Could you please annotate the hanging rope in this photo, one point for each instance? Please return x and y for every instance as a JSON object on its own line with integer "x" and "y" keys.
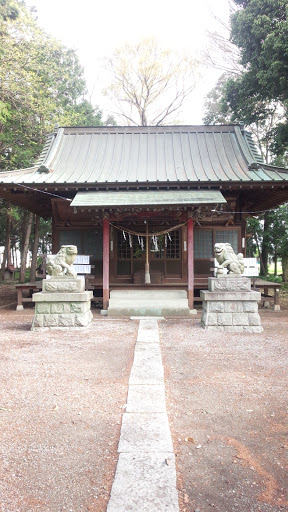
{"x": 141, "y": 233}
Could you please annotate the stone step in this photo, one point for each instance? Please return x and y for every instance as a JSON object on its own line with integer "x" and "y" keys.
{"x": 148, "y": 302}
{"x": 148, "y": 311}
{"x": 161, "y": 294}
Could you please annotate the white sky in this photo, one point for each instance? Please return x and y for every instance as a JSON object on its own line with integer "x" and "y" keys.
{"x": 94, "y": 28}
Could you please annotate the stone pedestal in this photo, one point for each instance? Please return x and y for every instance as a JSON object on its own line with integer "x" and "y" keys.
{"x": 63, "y": 303}
{"x": 230, "y": 305}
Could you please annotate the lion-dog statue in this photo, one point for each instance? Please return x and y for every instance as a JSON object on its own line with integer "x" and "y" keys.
{"x": 61, "y": 263}
{"x": 227, "y": 258}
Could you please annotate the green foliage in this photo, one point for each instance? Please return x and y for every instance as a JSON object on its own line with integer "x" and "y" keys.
{"x": 260, "y": 31}
{"x": 254, "y": 239}
{"x": 45, "y": 238}
{"x": 8, "y": 10}
{"x": 41, "y": 84}
{"x": 268, "y": 235}
{"x": 258, "y": 95}
{"x": 215, "y": 109}
{"x": 259, "y": 117}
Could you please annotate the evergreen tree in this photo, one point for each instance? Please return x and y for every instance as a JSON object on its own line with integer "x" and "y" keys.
{"x": 41, "y": 85}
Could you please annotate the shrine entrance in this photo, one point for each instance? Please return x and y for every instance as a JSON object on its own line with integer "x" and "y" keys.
{"x": 163, "y": 254}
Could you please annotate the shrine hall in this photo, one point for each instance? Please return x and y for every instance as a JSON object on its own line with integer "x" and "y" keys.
{"x": 148, "y": 203}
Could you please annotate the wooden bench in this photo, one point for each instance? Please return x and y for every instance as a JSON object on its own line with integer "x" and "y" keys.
{"x": 266, "y": 298}
{"x": 32, "y": 287}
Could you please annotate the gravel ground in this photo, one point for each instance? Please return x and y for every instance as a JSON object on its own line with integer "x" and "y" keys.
{"x": 61, "y": 402}
{"x": 227, "y": 399}
{"x": 63, "y": 394}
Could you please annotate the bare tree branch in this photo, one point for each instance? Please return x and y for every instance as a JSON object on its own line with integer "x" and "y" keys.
{"x": 149, "y": 84}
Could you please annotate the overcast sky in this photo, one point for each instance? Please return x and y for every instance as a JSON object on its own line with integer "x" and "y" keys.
{"x": 94, "y": 28}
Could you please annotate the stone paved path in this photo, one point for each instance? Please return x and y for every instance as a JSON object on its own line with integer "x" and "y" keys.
{"x": 146, "y": 476}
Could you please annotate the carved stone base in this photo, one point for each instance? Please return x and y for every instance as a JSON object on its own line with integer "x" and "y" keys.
{"x": 63, "y": 303}
{"x": 230, "y": 305}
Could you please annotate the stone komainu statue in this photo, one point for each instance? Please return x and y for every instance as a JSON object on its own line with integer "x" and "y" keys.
{"x": 227, "y": 258}
{"x": 61, "y": 263}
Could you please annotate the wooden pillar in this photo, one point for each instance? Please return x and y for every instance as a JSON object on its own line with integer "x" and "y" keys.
{"x": 105, "y": 263}
{"x": 147, "y": 271}
{"x": 277, "y": 299}
{"x": 190, "y": 261}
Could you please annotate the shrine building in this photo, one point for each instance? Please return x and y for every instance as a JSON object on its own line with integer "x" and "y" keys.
{"x": 147, "y": 204}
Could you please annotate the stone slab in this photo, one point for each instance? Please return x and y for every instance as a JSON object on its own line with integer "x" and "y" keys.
{"x": 144, "y": 483}
{"x": 158, "y": 294}
{"x": 147, "y": 318}
{"x": 229, "y": 283}
{"x": 64, "y": 284}
{"x": 232, "y": 296}
{"x": 146, "y": 398}
{"x": 151, "y": 373}
{"x": 147, "y": 367}
{"x": 147, "y": 303}
{"x": 216, "y": 328}
{"x": 147, "y": 350}
{"x": 148, "y": 337}
{"x": 145, "y": 432}
{"x": 148, "y": 331}
{"x": 240, "y": 319}
{"x": 59, "y": 321}
{"x": 253, "y": 328}
{"x": 172, "y": 311}
{"x": 62, "y": 296}
{"x": 233, "y": 328}
{"x": 225, "y": 318}
{"x": 209, "y": 318}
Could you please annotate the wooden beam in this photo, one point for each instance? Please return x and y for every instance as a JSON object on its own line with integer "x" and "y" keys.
{"x": 190, "y": 229}
{"x": 105, "y": 264}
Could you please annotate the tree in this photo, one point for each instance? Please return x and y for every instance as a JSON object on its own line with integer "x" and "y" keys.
{"x": 260, "y": 30}
{"x": 260, "y": 118}
{"x": 25, "y": 244}
{"x": 149, "y": 84}
{"x": 268, "y": 235}
{"x": 35, "y": 245}
{"x": 8, "y": 10}
{"x": 41, "y": 84}
{"x": 244, "y": 94}
{"x": 221, "y": 53}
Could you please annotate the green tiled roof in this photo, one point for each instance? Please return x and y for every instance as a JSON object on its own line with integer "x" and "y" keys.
{"x": 147, "y": 155}
{"x": 147, "y": 198}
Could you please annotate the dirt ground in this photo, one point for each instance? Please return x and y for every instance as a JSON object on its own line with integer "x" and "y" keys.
{"x": 63, "y": 394}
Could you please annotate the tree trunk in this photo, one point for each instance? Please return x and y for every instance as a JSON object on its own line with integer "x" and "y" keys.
{"x": 285, "y": 268}
{"x": 259, "y": 251}
{"x": 25, "y": 247}
{"x": 7, "y": 251}
{"x": 265, "y": 246}
{"x": 24, "y": 224}
{"x": 35, "y": 248}
{"x": 275, "y": 263}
